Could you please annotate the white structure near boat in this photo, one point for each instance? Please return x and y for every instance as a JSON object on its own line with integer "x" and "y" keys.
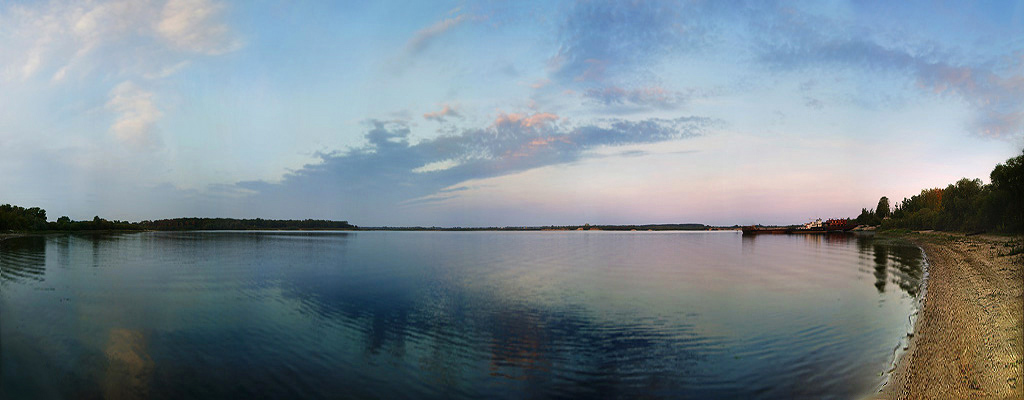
{"x": 816, "y": 224}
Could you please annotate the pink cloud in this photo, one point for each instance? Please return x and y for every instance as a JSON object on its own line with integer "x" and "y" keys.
{"x": 537, "y": 120}
{"x": 540, "y": 83}
{"x": 441, "y": 115}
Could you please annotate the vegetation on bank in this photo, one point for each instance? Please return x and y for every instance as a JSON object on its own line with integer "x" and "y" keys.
{"x": 14, "y": 218}
{"x": 967, "y": 205}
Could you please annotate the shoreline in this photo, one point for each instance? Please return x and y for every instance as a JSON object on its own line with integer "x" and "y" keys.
{"x": 968, "y": 337}
{"x": 5, "y": 236}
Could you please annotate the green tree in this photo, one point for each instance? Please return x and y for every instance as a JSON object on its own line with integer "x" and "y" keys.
{"x": 1005, "y": 208}
{"x": 961, "y": 203}
{"x": 882, "y": 210}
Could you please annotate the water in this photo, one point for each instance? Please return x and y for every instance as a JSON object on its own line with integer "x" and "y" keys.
{"x": 168, "y": 315}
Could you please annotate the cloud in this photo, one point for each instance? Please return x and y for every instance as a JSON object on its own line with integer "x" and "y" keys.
{"x": 136, "y": 115}
{"x": 645, "y": 97}
{"x": 108, "y": 43}
{"x": 436, "y": 166}
{"x": 598, "y": 38}
{"x": 389, "y": 171}
{"x": 996, "y": 97}
{"x": 193, "y": 25}
{"x": 518, "y": 121}
{"x": 442, "y": 114}
{"x": 167, "y": 71}
{"x": 540, "y": 83}
{"x": 124, "y": 36}
{"x": 424, "y": 37}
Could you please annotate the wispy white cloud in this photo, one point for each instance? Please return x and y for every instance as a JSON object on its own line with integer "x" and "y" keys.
{"x": 436, "y": 166}
{"x": 137, "y": 115}
{"x": 993, "y": 88}
{"x": 124, "y": 36}
{"x": 194, "y": 25}
{"x": 424, "y": 37}
{"x": 167, "y": 71}
{"x": 125, "y": 41}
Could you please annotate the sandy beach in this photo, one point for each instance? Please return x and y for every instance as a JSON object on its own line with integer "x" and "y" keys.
{"x": 969, "y": 335}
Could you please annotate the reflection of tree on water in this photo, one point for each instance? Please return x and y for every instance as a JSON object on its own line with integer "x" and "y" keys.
{"x": 865, "y": 243}
{"x": 881, "y": 266}
{"x": 837, "y": 238}
{"x": 909, "y": 270}
{"x": 23, "y": 258}
{"x": 100, "y": 242}
{"x": 896, "y": 262}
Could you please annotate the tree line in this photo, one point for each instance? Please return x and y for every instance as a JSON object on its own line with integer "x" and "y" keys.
{"x": 968, "y": 205}
{"x": 15, "y": 218}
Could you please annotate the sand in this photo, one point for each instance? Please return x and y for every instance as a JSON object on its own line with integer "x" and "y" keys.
{"x": 969, "y": 335}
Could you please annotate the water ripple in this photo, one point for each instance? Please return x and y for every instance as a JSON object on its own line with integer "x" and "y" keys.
{"x": 457, "y": 315}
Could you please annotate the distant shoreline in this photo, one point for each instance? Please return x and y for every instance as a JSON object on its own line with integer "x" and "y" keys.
{"x": 615, "y": 228}
{"x": 968, "y": 339}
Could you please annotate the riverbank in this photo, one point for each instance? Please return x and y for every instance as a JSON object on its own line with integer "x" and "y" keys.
{"x": 5, "y": 236}
{"x": 969, "y": 334}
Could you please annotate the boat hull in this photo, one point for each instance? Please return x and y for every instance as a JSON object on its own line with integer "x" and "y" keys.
{"x": 756, "y": 230}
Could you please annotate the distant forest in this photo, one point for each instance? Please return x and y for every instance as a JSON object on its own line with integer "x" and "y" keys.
{"x": 14, "y": 218}
{"x": 967, "y": 205}
{"x": 649, "y": 227}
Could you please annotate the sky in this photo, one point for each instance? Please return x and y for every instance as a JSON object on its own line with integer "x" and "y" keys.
{"x": 503, "y": 113}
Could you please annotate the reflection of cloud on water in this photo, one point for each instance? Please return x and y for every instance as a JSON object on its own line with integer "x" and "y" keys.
{"x": 129, "y": 366}
{"x": 440, "y": 326}
{"x": 519, "y": 350}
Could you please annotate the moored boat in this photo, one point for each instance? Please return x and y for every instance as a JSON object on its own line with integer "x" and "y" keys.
{"x": 750, "y": 230}
{"x": 839, "y": 225}
{"x": 816, "y": 226}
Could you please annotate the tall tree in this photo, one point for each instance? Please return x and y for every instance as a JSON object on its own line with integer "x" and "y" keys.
{"x": 882, "y": 210}
{"x": 1006, "y": 207}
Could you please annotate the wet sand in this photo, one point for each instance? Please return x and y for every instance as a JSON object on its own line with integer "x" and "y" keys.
{"x": 969, "y": 335}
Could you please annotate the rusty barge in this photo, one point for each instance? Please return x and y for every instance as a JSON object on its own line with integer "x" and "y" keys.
{"x": 814, "y": 227}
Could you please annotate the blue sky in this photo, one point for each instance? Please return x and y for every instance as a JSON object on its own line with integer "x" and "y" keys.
{"x": 501, "y": 113}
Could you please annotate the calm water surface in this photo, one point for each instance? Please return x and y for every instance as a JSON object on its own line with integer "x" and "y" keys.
{"x": 167, "y": 315}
